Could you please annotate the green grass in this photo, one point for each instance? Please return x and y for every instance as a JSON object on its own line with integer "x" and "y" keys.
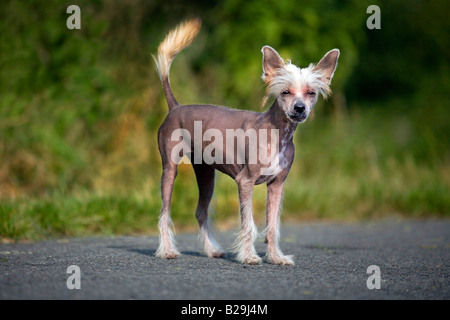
{"x": 79, "y": 113}
{"x": 71, "y": 216}
{"x": 358, "y": 166}
{"x": 368, "y": 165}
{"x": 63, "y": 176}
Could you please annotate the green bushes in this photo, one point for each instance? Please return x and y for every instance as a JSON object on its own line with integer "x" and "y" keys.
{"x": 80, "y": 109}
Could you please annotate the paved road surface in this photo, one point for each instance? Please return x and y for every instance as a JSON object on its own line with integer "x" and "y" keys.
{"x": 331, "y": 263}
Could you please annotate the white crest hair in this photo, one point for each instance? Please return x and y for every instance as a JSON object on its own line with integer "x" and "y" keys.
{"x": 292, "y": 76}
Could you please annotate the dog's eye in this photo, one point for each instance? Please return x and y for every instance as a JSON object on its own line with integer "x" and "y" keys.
{"x": 310, "y": 93}
{"x": 285, "y": 92}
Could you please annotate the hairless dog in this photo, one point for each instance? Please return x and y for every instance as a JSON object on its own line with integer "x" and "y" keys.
{"x": 251, "y": 147}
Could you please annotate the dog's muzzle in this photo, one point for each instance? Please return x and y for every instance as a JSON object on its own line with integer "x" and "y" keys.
{"x": 300, "y": 113}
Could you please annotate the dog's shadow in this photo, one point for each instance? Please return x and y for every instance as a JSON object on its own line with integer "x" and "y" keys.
{"x": 229, "y": 256}
{"x": 152, "y": 252}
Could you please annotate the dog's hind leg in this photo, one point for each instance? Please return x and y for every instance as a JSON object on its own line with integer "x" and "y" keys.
{"x": 205, "y": 180}
{"x": 167, "y": 248}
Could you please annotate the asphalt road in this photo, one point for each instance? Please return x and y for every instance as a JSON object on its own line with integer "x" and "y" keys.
{"x": 331, "y": 262}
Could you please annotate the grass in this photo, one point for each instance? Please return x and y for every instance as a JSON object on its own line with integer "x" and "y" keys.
{"x": 69, "y": 171}
{"x": 371, "y": 165}
{"x": 74, "y": 216}
{"x": 361, "y": 165}
{"x": 79, "y": 113}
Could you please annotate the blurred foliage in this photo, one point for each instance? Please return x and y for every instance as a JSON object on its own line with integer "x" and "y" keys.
{"x": 79, "y": 109}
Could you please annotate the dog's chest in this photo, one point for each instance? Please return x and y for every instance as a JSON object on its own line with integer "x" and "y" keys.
{"x": 277, "y": 164}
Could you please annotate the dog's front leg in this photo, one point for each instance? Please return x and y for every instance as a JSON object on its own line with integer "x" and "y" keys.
{"x": 244, "y": 245}
{"x": 274, "y": 196}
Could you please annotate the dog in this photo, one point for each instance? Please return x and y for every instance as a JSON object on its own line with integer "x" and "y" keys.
{"x": 254, "y": 159}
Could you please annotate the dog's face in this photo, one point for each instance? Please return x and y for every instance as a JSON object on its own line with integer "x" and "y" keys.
{"x": 297, "y": 89}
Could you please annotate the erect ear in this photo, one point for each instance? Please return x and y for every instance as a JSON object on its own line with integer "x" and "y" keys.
{"x": 271, "y": 62}
{"x": 327, "y": 65}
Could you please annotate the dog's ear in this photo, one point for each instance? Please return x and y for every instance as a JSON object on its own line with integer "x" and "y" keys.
{"x": 327, "y": 65}
{"x": 271, "y": 62}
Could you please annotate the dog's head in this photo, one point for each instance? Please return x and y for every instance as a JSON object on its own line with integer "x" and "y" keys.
{"x": 297, "y": 89}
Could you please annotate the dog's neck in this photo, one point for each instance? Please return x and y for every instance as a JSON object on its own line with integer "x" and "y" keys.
{"x": 278, "y": 119}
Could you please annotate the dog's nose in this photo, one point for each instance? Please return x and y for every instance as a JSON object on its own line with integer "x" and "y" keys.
{"x": 299, "y": 108}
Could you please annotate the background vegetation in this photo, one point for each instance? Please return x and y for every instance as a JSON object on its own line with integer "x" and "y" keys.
{"x": 79, "y": 110}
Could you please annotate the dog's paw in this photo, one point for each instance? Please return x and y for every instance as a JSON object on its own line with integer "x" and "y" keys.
{"x": 253, "y": 259}
{"x": 282, "y": 260}
{"x": 214, "y": 251}
{"x": 168, "y": 254}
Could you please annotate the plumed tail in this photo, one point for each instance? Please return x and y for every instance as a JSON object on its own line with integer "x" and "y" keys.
{"x": 177, "y": 39}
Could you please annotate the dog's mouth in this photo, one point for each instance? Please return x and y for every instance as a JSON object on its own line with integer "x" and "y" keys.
{"x": 296, "y": 117}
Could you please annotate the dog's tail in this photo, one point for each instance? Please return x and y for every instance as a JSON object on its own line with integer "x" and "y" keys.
{"x": 175, "y": 41}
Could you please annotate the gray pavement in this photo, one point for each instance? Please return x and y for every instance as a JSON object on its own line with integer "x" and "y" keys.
{"x": 331, "y": 262}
